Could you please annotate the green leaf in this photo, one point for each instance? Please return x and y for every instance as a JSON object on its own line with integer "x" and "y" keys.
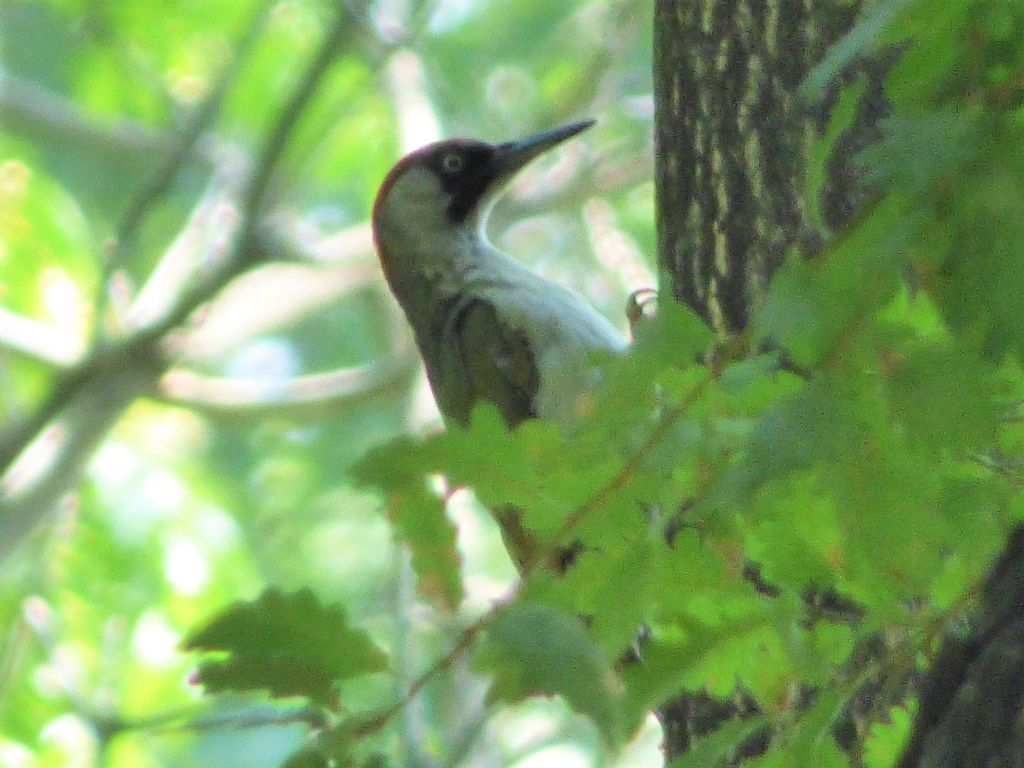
{"x": 942, "y": 399}
{"x": 940, "y": 144}
{"x": 865, "y": 34}
{"x": 821, "y": 650}
{"x": 533, "y": 649}
{"x": 814, "y": 308}
{"x": 675, "y": 336}
{"x": 981, "y": 282}
{"x": 742, "y": 645}
{"x": 615, "y": 590}
{"x": 535, "y": 467}
{"x": 306, "y": 758}
{"x": 886, "y": 741}
{"x": 794, "y": 534}
{"x": 818, "y": 424}
{"x": 401, "y": 471}
{"x": 809, "y": 740}
{"x": 840, "y": 121}
{"x": 288, "y": 644}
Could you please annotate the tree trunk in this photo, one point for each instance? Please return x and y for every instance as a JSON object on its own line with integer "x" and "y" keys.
{"x": 732, "y": 144}
{"x": 972, "y": 702}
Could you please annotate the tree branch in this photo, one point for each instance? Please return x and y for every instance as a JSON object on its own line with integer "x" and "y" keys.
{"x": 90, "y": 397}
{"x": 185, "y": 143}
{"x": 29, "y": 109}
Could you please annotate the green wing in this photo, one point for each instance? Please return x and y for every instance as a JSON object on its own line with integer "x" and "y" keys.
{"x": 486, "y": 360}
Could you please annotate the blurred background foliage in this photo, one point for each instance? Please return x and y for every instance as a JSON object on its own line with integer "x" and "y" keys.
{"x": 129, "y": 133}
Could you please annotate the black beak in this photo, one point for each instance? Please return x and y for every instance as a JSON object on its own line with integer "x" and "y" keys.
{"x": 478, "y": 189}
{"x": 513, "y": 155}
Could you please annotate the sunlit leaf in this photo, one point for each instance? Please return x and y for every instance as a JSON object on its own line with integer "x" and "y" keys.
{"x": 401, "y": 470}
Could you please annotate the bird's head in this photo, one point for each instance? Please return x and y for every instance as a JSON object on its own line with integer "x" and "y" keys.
{"x": 440, "y": 195}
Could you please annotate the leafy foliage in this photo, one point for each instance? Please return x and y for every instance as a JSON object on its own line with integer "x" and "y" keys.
{"x": 418, "y": 517}
{"x": 870, "y": 473}
{"x": 533, "y": 649}
{"x": 288, "y": 644}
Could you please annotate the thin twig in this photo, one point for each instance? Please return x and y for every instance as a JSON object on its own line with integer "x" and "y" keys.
{"x": 184, "y": 146}
{"x": 629, "y": 469}
{"x": 42, "y": 341}
{"x": 307, "y": 715}
{"x": 225, "y": 396}
{"x": 466, "y": 638}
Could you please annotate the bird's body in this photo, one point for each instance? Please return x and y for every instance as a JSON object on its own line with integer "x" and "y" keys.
{"x": 487, "y": 327}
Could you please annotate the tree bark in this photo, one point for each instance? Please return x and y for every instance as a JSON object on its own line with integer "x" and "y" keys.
{"x": 732, "y": 145}
{"x": 732, "y": 141}
{"x": 972, "y": 701}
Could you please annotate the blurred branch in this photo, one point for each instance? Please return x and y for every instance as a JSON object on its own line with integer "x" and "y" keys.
{"x": 311, "y": 269}
{"x": 37, "y": 478}
{"x": 42, "y": 341}
{"x": 321, "y": 390}
{"x": 204, "y": 239}
{"x": 584, "y": 179}
{"x": 467, "y": 736}
{"x": 29, "y": 109}
{"x": 273, "y": 149}
{"x": 184, "y": 143}
{"x": 413, "y": 738}
{"x": 251, "y": 305}
{"x": 377, "y": 47}
{"x": 614, "y": 250}
{"x": 613, "y": 27}
{"x": 246, "y": 717}
{"x": 88, "y": 399}
{"x": 293, "y": 234}
{"x": 418, "y": 121}
{"x": 13, "y": 655}
{"x": 246, "y": 251}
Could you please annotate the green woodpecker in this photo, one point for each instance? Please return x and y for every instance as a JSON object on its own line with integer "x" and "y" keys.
{"x": 487, "y": 327}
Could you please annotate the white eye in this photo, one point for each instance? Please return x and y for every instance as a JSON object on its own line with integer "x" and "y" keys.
{"x": 452, "y": 163}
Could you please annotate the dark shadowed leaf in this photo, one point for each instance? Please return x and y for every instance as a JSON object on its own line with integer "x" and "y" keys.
{"x": 307, "y": 758}
{"x": 288, "y": 644}
{"x": 532, "y": 649}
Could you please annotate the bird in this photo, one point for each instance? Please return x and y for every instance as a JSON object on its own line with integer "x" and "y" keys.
{"x": 488, "y": 328}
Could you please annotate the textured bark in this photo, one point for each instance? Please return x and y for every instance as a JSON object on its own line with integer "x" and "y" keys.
{"x": 972, "y": 702}
{"x": 732, "y": 143}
